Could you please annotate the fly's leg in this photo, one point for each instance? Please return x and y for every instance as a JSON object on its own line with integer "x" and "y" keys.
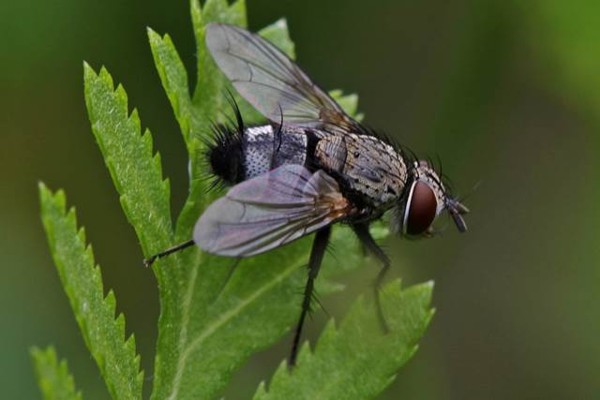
{"x": 150, "y": 260}
{"x": 362, "y": 231}
{"x": 232, "y": 269}
{"x": 314, "y": 264}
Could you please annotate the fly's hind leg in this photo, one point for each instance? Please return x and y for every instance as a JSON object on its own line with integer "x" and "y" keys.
{"x": 314, "y": 264}
{"x": 363, "y": 234}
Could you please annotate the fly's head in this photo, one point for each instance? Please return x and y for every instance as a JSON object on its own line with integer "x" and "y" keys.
{"x": 424, "y": 200}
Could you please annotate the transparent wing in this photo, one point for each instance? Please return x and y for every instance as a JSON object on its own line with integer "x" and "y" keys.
{"x": 270, "y": 81}
{"x": 268, "y": 211}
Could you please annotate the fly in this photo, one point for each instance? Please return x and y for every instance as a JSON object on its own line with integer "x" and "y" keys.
{"x": 311, "y": 166}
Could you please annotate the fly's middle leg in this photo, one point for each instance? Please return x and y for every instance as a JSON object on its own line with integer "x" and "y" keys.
{"x": 363, "y": 234}
{"x": 314, "y": 264}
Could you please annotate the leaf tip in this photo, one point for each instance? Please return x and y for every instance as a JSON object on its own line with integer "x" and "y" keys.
{"x": 153, "y": 36}
{"x": 35, "y": 351}
{"x": 429, "y": 284}
{"x": 47, "y": 196}
{"x": 88, "y": 71}
{"x": 42, "y": 187}
{"x": 261, "y": 390}
{"x": 105, "y": 76}
{"x": 281, "y": 23}
{"x": 196, "y": 11}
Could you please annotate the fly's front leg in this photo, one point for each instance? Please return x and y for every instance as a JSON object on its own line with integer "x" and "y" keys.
{"x": 363, "y": 234}
{"x": 314, "y": 264}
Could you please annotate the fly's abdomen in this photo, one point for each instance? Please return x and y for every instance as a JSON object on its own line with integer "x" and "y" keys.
{"x": 267, "y": 147}
{"x": 257, "y": 145}
{"x": 237, "y": 156}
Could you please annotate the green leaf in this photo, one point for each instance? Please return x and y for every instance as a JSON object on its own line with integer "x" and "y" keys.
{"x": 357, "y": 360}
{"x": 251, "y": 311}
{"x": 213, "y": 316}
{"x": 345, "y": 249}
{"x": 174, "y": 79}
{"x": 103, "y": 334}
{"x": 278, "y": 34}
{"x": 54, "y": 378}
{"x": 212, "y": 320}
{"x": 209, "y": 101}
{"x": 209, "y": 79}
{"x": 135, "y": 171}
{"x": 348, "y": 102}
{"x": 208, "y": 106}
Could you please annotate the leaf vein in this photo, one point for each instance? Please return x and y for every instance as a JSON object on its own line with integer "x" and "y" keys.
{"x": 212, "y": 328}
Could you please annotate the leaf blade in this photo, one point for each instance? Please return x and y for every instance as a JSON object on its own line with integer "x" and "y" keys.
{"x": 207, "y": 106}
{"x": 174, "y": 79}
{"x": 103, "y": 333}
{"x": 209, "y": 308}
{"x": 255, "y": 308}
{"x": 134, "y": 169}
{"x": 355, "y": 361}
{"x": 208, "y": 99}
{"x": 53, "y": 376}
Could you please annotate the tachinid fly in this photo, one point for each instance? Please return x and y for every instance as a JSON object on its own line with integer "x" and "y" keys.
{"x": 311, "y": 166}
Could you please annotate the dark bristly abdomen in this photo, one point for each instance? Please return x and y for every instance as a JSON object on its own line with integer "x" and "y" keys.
{"x": 225, "y": 154}
{"x": 236, "y": 156}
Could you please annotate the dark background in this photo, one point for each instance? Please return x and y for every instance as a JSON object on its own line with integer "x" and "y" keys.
{"x": 507, "y": 94}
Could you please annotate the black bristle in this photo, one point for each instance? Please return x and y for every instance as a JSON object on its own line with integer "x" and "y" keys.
{"x": 224, "y": 151}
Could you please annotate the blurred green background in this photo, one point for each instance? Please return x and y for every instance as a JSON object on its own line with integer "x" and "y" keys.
{"x": 506, "y": 93}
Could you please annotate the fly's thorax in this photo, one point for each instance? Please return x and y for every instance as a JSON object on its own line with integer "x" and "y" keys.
{"x": 267, "y": 147}
{"x": 369, "y": 167}
{"x": 331, "y": 153}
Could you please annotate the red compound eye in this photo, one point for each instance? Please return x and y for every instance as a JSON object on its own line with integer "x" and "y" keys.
{"x": 421, "y": 209}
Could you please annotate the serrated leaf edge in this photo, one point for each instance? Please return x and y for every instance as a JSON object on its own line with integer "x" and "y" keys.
{"x": 108, "y": 301}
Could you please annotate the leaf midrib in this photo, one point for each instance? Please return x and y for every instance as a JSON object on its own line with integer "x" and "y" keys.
{"x": 224, "y": 318}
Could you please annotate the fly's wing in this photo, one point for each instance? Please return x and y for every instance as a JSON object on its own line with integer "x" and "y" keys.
{"x": 271, "y": 82}
{"x": 268, "y": 211}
